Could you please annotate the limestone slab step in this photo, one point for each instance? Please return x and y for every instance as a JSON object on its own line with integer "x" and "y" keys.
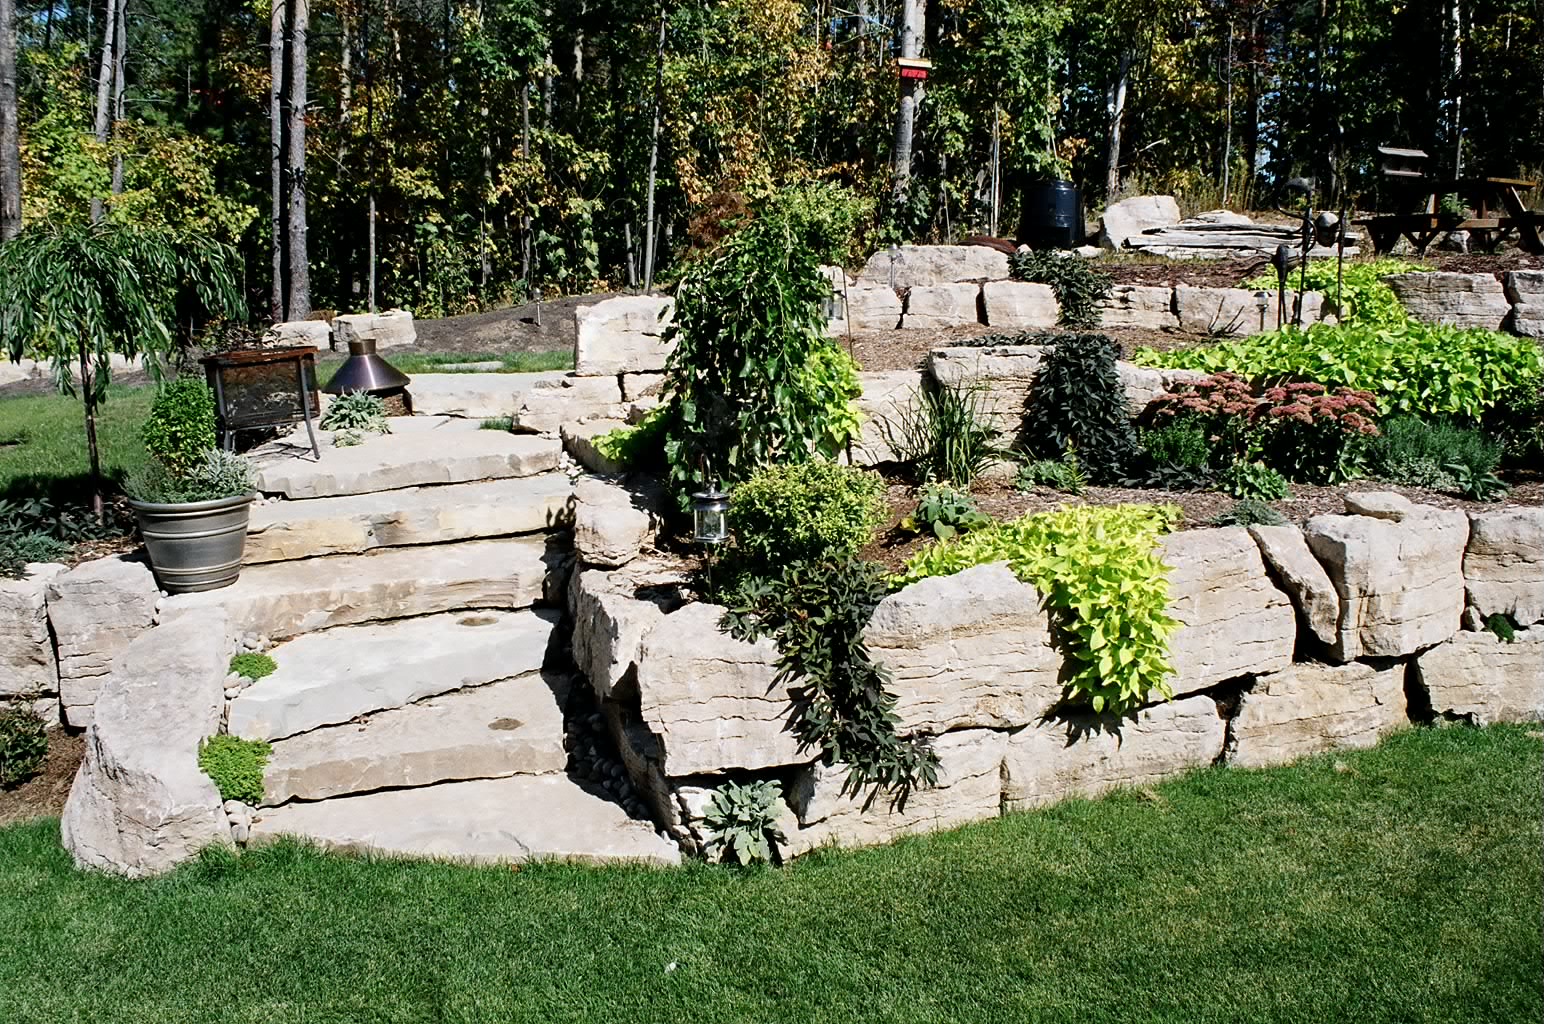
{"x": 286, "y": 530}
{"x": 338, "y": 675}
{"x": 283, "y": 599}
{"x": 474, "y": 395}
{"x": 510, "y": 727}
{"x": 485, "y": 821}
{"x": 419, "y": 450}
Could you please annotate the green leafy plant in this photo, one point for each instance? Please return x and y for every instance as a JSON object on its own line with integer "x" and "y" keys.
{"x": 942, "y": 435}
{"x": 1178, "y": 443}
{"x": 23, "y": 743}
{"x": 501, "y": 423}
{"x": 181, "y": 424}
{"x": 1104, "y": 585}
{"x": 1412, "y": 367}
{"x": 1079, "y": 287}
{"x": 640, "y": 446}
{"x": 1474, "y": 485}
{"x": 76, "y": 294}
{"x": 944, "y": 512}
{"x": 841, "y": 704}
{"x": 236, "y": 766}
{"x": 357, "y": 411}
{"x": 251, "y": 665}
{"x": 753, "y": 378}
{"x": 1517, "y": 422}
{"x": 221, "y": 474}
{"x": 1502, "y": 627}
{"x": 16, "y": 552}
{"x": 741, "y": 822}
{"x": 1063, "y": 474}
{"x": 1437, "y": 455}
{"x": 1078, "y": 400}
{"x": 1363, "y": 297}
{"x": 1249, "y": 479}
{"x": 1248, "y": 512}
{"x": 804, "y": 511}
{"x": 824, "y": 216}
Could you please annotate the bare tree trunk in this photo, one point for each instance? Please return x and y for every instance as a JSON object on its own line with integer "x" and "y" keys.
{"x": 276, "y": 158}
{"x": 345, "y": 84}
{"x": 1117, "y": 117}
{"x": 525, "y": 216}
{"x": 298, "y": 306}
{"x": 912, "y": 23}
{"x": 120, "y": 53}
{"x": 104, "y": 89}
{"x": 88, "y": 399}
{"x": 10, "y": 135}
{"x": 659, "y": 89}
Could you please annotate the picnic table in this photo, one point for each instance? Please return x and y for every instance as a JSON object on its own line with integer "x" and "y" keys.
{"x": 1498, "y": 212}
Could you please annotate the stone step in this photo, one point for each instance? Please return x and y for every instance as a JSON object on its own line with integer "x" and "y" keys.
{"x": 510, "y": 727}
{"x": 474, "y": 395}
{"x": 485, "y": 821}
{"x": 287, "y": 530}
{"x": 284, "y": 599}
{"x": 338, "y": 675}
{"x": 419, "y": 450}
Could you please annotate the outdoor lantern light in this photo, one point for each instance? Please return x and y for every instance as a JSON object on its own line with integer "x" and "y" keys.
{"x": 708, "y": 511}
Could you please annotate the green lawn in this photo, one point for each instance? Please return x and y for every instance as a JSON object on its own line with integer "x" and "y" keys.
{"x": 43, "y": 442}
{"x": 435, "y": 362}
{"x": 1398, "y": 884}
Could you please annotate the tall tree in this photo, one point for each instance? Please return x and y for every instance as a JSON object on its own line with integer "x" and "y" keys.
{"x": 10, "y": 135}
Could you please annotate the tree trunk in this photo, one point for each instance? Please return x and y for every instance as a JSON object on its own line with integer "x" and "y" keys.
{"x": 345, "y": 85}
{"x": 10, "y": 136}
{"x": 276, "y": 157}
{"x": 120, "y": 49}
{"x": 88, "y": 399}
{"x": 659, "y": 89}
{"x": 298, "y": 306}
{"x": 912, "y": 15}
{"x": 1117, "y": 116}
{"x": 104, "y": 89}
{"x": 1252, "y": 121}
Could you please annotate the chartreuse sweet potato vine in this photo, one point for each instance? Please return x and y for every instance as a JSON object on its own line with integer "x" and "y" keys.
{"x": 1103, "y": 584}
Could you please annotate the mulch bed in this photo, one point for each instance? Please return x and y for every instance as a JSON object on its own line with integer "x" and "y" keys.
{"x": 43, "y": 795}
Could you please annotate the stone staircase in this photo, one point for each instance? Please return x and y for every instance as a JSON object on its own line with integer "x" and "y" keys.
{"x": 408, "y": 586}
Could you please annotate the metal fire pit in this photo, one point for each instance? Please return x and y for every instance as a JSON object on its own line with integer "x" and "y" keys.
{"x": 264, "y": 388}
{"x": 366, "y": 371}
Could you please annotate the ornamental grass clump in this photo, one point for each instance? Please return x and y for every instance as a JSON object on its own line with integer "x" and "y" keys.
{"x": 1102, "y": 582}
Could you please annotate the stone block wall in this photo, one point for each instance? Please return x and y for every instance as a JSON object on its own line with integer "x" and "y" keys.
{"x": 1512, "y": 301}
{"x": 1292, "y": 642}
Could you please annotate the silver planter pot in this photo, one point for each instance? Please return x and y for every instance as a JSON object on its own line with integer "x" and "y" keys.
{"x": 196, "y": 545}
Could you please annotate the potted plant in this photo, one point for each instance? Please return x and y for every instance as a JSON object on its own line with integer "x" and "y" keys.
{"x": 192, "y": 500}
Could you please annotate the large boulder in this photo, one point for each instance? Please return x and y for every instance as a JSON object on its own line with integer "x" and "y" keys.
{"x": 550, "y": 404}
{"x": 1525, "y": 291}
{"x": 1234, "y": 622}
{"x": 317, "y": 333}
{"x": 1138, "y": 305}
{"x": 389, "y": 329}
{"x": 1020, "y": 305}
{"x": 622, "y": 335}
{"x": 939, "y": 306}
{"x": 887, "y": 394}
{"x": 1461, "y": 300}
{"x": 1133, "y": 216}
{"x": 1302, "y": 577}
{"x": 612, "y": 524}
{"x": 611, "y": 620}
{"x": 1085, "y": 756}
{"x": 140, "y": 805}
{"x": 910, "y": 266}
{"x": 1145, "y": 383}
{"x": 1003, "y": 375}
{"x": 972, "y": 650}
{"x": 873, "y": 308}
{"x": 1504, "y": 564}
{"x": 969, "y": 789}
{"x": 96, "y": 609}
{"x": 1401, "y": 583}
{"x": 27, "y": 666}
{"x": 1312, "y": 707}
{"x": 1485, "y": 679}
{"x": 711, "y": 699}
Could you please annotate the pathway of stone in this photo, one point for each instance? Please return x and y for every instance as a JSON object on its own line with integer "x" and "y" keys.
{"x": 417, "y": 708}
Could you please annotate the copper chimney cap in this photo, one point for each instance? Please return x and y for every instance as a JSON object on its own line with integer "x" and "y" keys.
{"x": 365, "y": 371}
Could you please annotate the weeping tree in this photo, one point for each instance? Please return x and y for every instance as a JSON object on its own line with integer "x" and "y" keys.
{"x": 75, "y": 295}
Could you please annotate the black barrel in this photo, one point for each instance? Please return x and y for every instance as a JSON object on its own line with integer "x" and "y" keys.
{"x": 1052, "y": 216}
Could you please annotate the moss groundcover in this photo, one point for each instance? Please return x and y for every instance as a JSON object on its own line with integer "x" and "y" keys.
{"x": 1397, "y": 884}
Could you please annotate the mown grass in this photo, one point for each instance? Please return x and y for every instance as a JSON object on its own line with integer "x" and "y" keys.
{"x": 43, "y": 442}
{"x": 436, "y": 362}
{"x": 1397, "y": 884}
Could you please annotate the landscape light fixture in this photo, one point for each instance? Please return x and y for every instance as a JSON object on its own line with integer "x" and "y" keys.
{"x": 710, "y": 524}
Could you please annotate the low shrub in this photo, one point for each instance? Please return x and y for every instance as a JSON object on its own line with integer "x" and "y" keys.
{"x": 1436, "y": 455}
{"x": 1180, "y": 443}
{"x": 499, "y": 423}
{"x": 639, "y": 446}
{"x": 1410, "y": 367}
{"x": 1104, "y": 585}
{"x": 1363, "y": 297}
{"x": 23, "y": 743}
{"x": 944, "y": 512}
{"x": 825, "y": 216}
{"x": 1517, "y": 422}
{"x": 1079, "y": 287}
{"x": 942, "y": 435}
{"x": 1078, "y": 401}
{"x": 1063, "y": 474}
{"x": 181, "y": 425}
{"x": 16, "y": 551}
{"x": 741, "y": 822}
{"x": 1256, "y": 480}
{"x": 1248, "y": 512}
{"x": 236, "y": 766}
{"x": 221, "y": 474}
{"x": 814, "y": 511}
{"x": 251, "y": 665}
{"x": 357, "y": 412}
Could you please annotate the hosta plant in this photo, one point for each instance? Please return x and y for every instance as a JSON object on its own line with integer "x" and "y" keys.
{"x": 944, "y": 512}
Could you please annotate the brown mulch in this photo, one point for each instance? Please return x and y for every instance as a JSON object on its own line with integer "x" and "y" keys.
{"x": 1158, "y": 272}
{"x": 43, "y": 795}
{"x": 1482, "y": 263}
